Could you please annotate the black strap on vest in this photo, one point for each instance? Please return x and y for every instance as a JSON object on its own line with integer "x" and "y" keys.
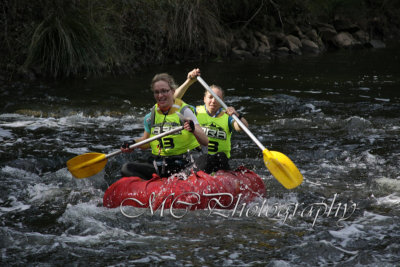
{"x": 153, "y": 115}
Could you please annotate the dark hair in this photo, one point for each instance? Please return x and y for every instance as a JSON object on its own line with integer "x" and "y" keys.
{"x": 218, "y": 88}
{"x": 164, "y": 77}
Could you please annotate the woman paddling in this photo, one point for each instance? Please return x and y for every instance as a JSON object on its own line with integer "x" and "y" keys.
{"x": 172, "y": 153}
{"x": 217, "y": 123}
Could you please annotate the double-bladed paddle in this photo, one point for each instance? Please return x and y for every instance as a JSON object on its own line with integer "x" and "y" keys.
{"x": 280, "y": 166}
{"x": 89, "y": 164}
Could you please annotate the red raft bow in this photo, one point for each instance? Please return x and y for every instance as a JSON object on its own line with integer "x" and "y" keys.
{"x": 199, "y": 191}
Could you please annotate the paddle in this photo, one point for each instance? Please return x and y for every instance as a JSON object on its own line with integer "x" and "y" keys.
{"x": 89, "y": 164}
{"x": 280, "y": 166}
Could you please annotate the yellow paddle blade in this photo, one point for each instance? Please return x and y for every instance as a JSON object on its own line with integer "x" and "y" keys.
{"x": 282, "y": 168}
{"x": 86, "y": 165}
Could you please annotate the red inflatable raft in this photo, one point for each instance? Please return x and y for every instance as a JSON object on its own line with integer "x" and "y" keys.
{"x": 199, "y": 191}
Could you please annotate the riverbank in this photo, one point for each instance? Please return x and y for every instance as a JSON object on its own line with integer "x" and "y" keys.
{"x": 60, "y": 39}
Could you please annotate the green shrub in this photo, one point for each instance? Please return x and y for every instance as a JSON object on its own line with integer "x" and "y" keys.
{"x": 71, "y": 40}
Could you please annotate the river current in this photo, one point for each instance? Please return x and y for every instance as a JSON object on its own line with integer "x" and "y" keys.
{"x": 336, "y": 116}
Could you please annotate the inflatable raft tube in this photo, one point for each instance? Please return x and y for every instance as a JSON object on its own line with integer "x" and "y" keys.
{"x": 223, "y": 190}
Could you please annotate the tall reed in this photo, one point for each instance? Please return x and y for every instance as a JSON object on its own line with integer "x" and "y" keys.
{"x": 192, "y": 26}
{"x": 72, "y": 40}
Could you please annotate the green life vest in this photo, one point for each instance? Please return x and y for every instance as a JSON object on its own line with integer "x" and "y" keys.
{"x": 217, "y": 131}
{"x": 174, "y": 144}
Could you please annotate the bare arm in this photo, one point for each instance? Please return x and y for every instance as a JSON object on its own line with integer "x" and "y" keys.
{"x": 144, "y": 146}
{"x": 230, "y": 111}
{"x": 198, "y": 133}
{"x": 191, "y": 78}
{"x": 145, "y": 136}
{"x": 236, "y": 125}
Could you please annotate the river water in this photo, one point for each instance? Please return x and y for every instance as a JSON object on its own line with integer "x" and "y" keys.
{"x": 336, "y": 116}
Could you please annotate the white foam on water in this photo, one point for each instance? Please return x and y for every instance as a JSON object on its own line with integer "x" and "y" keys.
{"x": 31, "y": 123}
{"x": 327, "y": 165}
{"x": 370, "y": 226}
{"x": 95, "y": 181}
{"x": 389, "y": 184}
{"x": 279, "y": 263}
{"x": 106, "y": 118}
{"x": 392, "y": 200}
{"x": 19, "y": 174}
{"x": 312, "y": 107}
{"x": 91, "y": 221}
{"x": 43, "y": 123}
{"x": 313, "y": 92}
{"x": 234, "y": 99}
{"x": 371, "y": 158}
{"x": 234, "y": 255}
{"x": 18, "y": 124}
{"x": 357, "y": 125}
{"x": 364, "y": 96}
{"x": 7, "y": 116}
{"x": 129, "y": 126}
{"x": 382, "y": 99}
{"x": 40, "y": 193}
{"x": 364, "y": 160}
{"x": 5, "y": 134}
{"x": 369, "y": 217}
{"x": 75, "y": 121}
{"x": 349, "y": 233}
{"x": 267, "y": 89}
{"x": 77, "y": 150}
{"x": 100, "y": 147}
{"x": 295, "y": 123}
{"x": 339, "y": 248}
{"x": 15, "y": 205}
{"x": 153, "y": 257}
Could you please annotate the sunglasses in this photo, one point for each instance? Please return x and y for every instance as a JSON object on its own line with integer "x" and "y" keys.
{"x": 161, "y": 92}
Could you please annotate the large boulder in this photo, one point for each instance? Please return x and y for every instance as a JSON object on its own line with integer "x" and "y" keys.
{"x": 313, "y": 36}
{"x": 262, "y": 38}
{"x": 361, "y": 36}
{"x": 327, "y": 32}
{"x": 375, "y": 44}
{"x": 241, "y": 54}
{"x": 294, "y": 44}
{"x": 282, "y": 51}
{"x": 344, "y": 40}
{"x": 263, "y": 49}
{"x": 309, "y": 46}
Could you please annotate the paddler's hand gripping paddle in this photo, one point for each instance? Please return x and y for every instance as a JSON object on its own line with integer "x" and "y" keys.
{"x": 89, "y": 164}
{"x": 280, "y": 166}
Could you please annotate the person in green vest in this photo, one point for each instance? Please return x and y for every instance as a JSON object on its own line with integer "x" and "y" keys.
{"x": 172, "y": 153}
{"x": 218, "y": 125}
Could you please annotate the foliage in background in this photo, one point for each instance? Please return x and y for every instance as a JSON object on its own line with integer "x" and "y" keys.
{"x": 161, "y": 31}
{"x": 72, "y": 38}
{"x": 62, "y": 38}
{"x": 191, "y": 25}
